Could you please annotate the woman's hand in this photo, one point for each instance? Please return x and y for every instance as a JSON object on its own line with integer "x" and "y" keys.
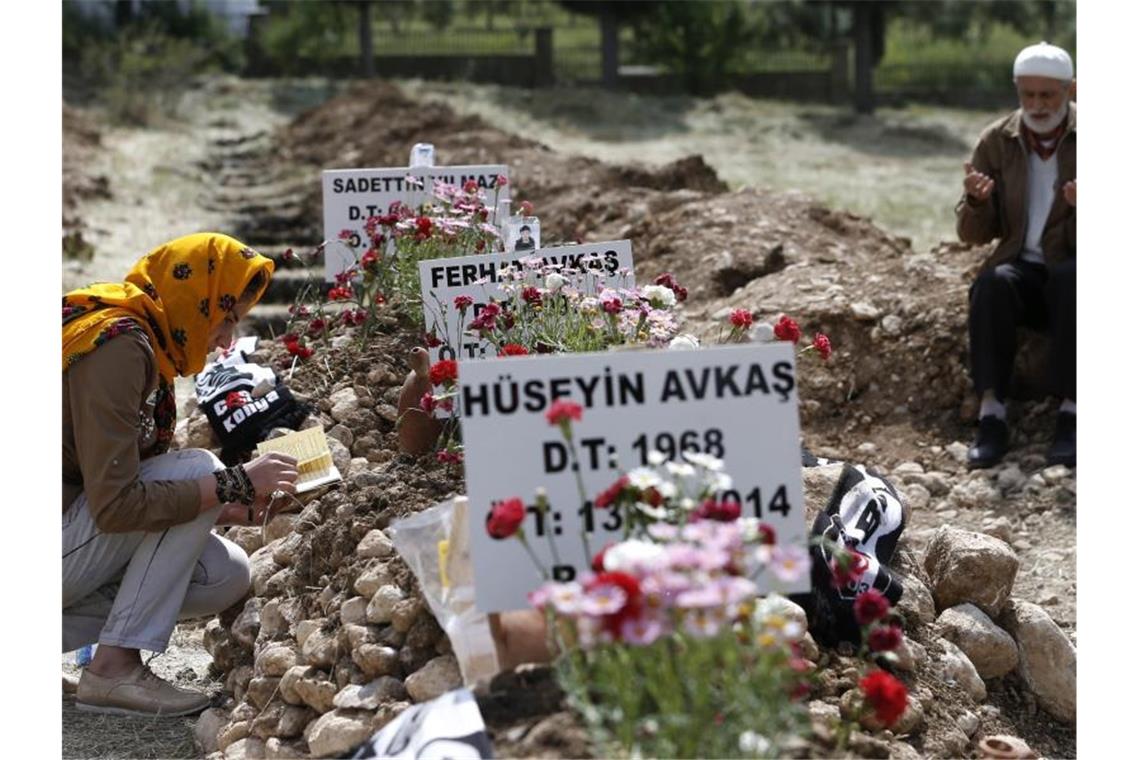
{"x": 271, "y": 472}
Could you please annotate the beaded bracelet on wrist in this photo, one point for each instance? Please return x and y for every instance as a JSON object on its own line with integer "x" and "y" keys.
{"x": 234, "y": 485}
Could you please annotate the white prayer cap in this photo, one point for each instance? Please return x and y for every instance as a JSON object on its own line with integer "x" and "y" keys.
{"x": 1043, "y": 60}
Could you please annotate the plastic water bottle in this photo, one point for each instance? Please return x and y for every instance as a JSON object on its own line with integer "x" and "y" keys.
{"x": 83, "y": 655}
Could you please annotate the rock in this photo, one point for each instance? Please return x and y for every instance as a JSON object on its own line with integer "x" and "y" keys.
{"x": 823, "y": 712}
{"x": 992, "y": 651}
{"x": 274, "y": 660}
{"x": 866, "y": 447}
{"x": 912, "y": 718}
{"x": 238, "y": 679}
{"x": 352, "y": 611}
{"x": 902, "y": 751}
{"x": 280, "y": 527}
{"x": 1011, "y": 479}
{"x": 284, "y": 550}
{"x": 206, "y": 729}
{"x": 975, "y": 494}
{"x": 864, "y": 311}
{"x": 1055, "y": 474}
{"x": 371, "y": 695}
{"x": 375, "y": 544}
{"x": 347, "y": 672}
{"x": 305, "y": 628}
{"x": 405, "y": 612}
{"x": 337, "y": 732}
{"x": 245, "y": 749}
{"x": 342, "y": 433}
{"x": 199, "y": 433}
{"x": 341, "y": 455}
{"x": 232, "y": 733}
{"x": 383, "y": 603}
{"x": 316, "y": 691}
{"x": 370, "y": 581}
{"x": 264, "y": 724}
{"x": 377, "y": 660}
{"x": 247, "y": 624}
{"x": 293, "y": 720}
{"x": 352, "y": 636}
{"x": 1005, "y": 746}
{"x": 1000, "y": 528}
{"x": 387, "y": 713}
{"x": 916, "y": 605}
{"x": 957, "y": 668}
{"x": 968, "y": 723}
{"x": 1047, "y": 660}
{"x": 344, "y": 404}
{"x": 437, "y": 677}
{"x": 274, "y": 625}
{"x": 217, "y": 641}
{"x": 891, "y": 324}
{"x": 260, "y": 690}
{"x": 262, "y": 567}
{"x": 958, "y": 451}
{"x": 275, "y": 749}
{"x": 911, "y": 655}
{"x": 950, "y": 742}
{"x": 916, "y": 495}
{"x": 289, "y": 681}
{"x": 819, "y": 483}
{"x": 247, "y": 537}
{"x": 320, "y": 649}
{"x": 970, "y": 567}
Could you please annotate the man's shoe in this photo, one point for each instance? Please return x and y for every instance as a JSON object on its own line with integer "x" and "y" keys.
{"x": 991, "y": 444}
{"x": 140, "y": 692}
{"x": 1064, "y": 448}
{"x": 70, "y": 683}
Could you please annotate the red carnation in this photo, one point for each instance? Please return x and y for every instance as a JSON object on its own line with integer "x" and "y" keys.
{"x": 462, "y": 302}
{"x": 470, "y": 186}
{"x": 504, "y": 519}
{"x": 721, "y": 511}
{"x": 847, "y": 567}
{"x": 427, "y": 402}
{"x": 345, "y": 234}
{"x": 561, "y": 412}
{"x": 598, "y": 563}
{"x": 340, "y": 293}
{"x": 531, "y": 295}
{"x": 870, "y": 606}
{"x": 526, "y": 208}
{"x": 886, "y": 694}
{"x": 612, "y": 306}
{"x": 822, "y": 344}
{"x": 288, "y": 255}
{"x": 668, "y": 280}
{"x": 513, "y": 349}
{"x": 608, "y": 496}
{"x": 444, "y": 371}
{"x": 767, "y": 534}
{"x": 884, "y": 638}
{"x": 423, "y": 226}
{"x": 740, "y": 318}
{"x": 787, "y": 329}
{"x": 501, "y": 180}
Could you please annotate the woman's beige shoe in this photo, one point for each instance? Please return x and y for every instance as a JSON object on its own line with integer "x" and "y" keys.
{"x": 140, "y": 692}
{"x": 70, "y": 683}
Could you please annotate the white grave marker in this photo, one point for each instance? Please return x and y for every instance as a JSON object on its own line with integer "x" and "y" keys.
{"x": 350, "y": 196}
{"x": 607, "y": 263}
{"x": 737, "y": 403}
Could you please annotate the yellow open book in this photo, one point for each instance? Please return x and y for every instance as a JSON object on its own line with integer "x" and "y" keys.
{"x": 314, "y": 460}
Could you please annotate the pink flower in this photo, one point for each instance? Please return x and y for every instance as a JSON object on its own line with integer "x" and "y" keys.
{"x": 884, "y": 638}
{"x": 603, "y": 600}
{"x": 427, "y": 403}
{"x": 641, "y": 631}
{"x": 462, "y": 302}
{"x": 501, "y": 180}
{"x": 789, "y": 563}
{"x": 505, "y": 518}
{"x": 345, "y": 234}
{"x": 470, "y": 186}
{"x": 612, "y": 306}
{"x": 531, "y": 295}
{"x": 526, "y": 208}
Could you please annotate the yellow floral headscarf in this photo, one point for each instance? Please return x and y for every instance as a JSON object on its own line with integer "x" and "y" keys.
{"x": 177, "y": 294}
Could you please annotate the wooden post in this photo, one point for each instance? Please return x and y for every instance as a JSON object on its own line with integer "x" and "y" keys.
{"x": 607, "y": 21}
{"x": 864, "y": 59}
{"x": 364, "y": 29}
{"x": 543, "y": 57}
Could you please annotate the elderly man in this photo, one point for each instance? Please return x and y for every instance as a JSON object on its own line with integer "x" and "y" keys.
{"x": 1021, "y": 188}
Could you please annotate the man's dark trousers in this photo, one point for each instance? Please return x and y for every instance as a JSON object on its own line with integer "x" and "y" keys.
{"x": 1023, "y": 294}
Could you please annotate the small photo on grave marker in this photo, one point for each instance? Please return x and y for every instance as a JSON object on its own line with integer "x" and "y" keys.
{"x": 523, "y": 233}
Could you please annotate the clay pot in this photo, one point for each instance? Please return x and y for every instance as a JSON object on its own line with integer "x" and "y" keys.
{"x": 418, "y": 431}
{"x": 1004, "y": 748}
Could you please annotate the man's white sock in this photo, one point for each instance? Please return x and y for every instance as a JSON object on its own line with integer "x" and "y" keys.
{"x": 1069, "y": 406}
{"x": 991, "y": 407}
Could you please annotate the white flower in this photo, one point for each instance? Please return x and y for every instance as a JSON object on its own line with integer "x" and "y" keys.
{"x": 707, "y": 461}
{"x": 762, "y": 332}
{"x": 684, "y": 342}
{"x": 656, "y": 457}
{"x": 752, "y": 743}
{"x": 634, "y": 555}
{"x": 680, "y": 469}
{"x": 643, "y": 477}
{"x": 659, "y": 295}
{"x": 554, "y": 281}
{"x": 667, "y": 489}
{"x": 719, "y": 481}
{"x": 656, "y": 513}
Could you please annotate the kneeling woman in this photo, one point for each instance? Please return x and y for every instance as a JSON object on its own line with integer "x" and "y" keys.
{"x": 138, "y": 551}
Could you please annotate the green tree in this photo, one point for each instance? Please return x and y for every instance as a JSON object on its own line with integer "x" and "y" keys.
{"x": 438, "y": 13}
{"x": 611, "y": 17}
{"x": 698, "y": 41}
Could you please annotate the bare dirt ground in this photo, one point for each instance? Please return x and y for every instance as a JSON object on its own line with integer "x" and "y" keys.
{"x": 895, "y": 393}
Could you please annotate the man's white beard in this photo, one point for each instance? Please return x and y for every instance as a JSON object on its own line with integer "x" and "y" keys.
{"x": 1041, "y": 126}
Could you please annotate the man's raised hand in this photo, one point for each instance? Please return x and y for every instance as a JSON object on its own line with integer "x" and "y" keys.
{"x": 1070, "y": 192}
{"x": 978, "y": 186}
